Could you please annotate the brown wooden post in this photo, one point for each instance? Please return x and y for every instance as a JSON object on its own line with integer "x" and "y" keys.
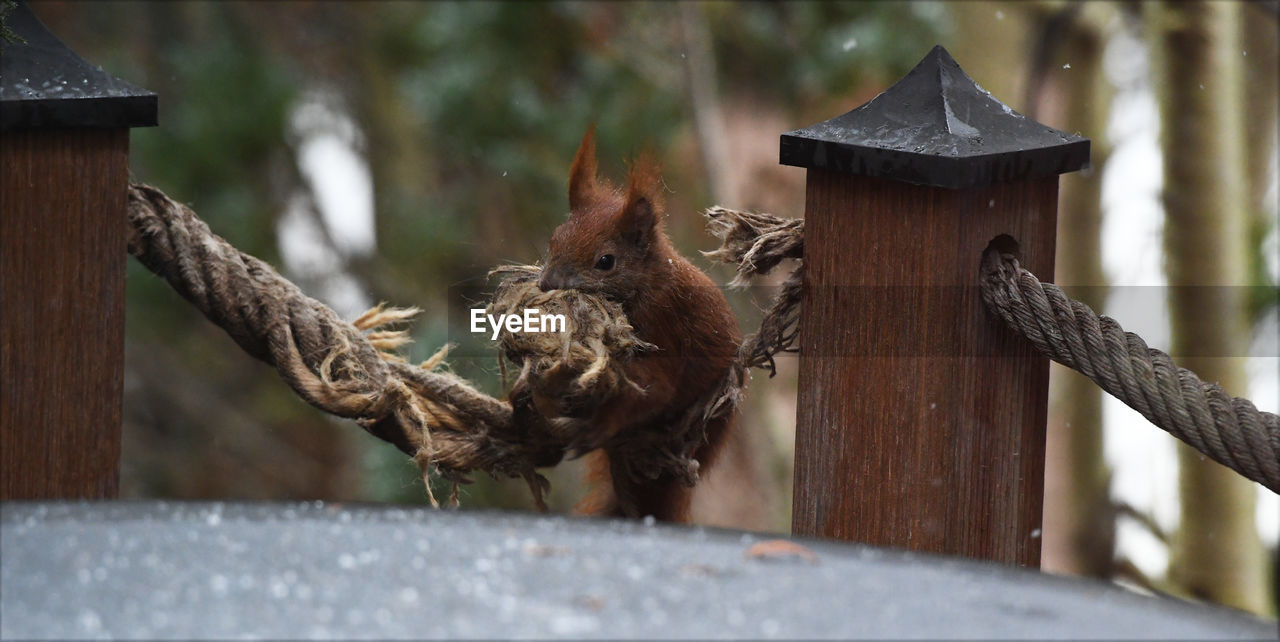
{"x": 921, "y": 418}
{"x": 64, "y": 177}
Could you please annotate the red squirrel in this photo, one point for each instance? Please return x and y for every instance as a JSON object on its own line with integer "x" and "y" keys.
{"x": 614, "y": 243}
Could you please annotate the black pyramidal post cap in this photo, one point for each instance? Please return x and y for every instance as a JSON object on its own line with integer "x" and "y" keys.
{"x": 936, "y": 127}
{"x": 44, "y": 84}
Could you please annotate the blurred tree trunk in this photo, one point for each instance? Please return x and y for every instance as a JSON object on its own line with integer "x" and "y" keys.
{"x": 1079, "y": 520}
{"x": 986, "y": 31}
{"x": 1260, "y": 53}
{"x": 1261, "y": 58}
{"x": 704, "y": 100}
{"x": 1217, "y": 554}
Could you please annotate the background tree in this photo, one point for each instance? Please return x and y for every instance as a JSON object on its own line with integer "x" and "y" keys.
{"x": 1217, "y": 554}
{"x": 1068, "y": 89}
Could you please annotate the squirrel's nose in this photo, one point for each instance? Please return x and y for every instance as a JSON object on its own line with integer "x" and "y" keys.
{"x": 557, "y": 279}
{"x": 548, "y": 281}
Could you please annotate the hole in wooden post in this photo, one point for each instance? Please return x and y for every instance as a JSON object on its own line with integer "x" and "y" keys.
{"x": 1004, "y": 244}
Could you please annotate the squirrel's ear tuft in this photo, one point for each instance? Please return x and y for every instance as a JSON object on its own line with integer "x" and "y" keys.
{"x": 642, "y": 215}
{"x": 582, "y": 178}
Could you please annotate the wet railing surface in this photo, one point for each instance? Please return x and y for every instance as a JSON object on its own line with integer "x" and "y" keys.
{"x": 218, "y": 570}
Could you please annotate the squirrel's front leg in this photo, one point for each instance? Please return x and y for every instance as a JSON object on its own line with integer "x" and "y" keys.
{"x": 615, "y": 490}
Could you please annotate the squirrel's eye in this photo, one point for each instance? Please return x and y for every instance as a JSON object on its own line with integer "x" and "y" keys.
{"x": 605, "y": 262}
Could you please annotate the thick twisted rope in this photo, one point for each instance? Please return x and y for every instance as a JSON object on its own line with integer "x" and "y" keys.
{"x": 1230, "y": 430}
{"x": 338, "y": 367}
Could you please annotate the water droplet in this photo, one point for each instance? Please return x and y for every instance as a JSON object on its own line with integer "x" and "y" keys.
{"x": 851, "y": 43}
{"x": 770, "y": 627}
{"x": 279, "y": 590}
{"x": 89, "y": 621}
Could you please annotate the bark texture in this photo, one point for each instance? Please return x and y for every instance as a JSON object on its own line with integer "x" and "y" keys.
{"x": 1217, "y": 554}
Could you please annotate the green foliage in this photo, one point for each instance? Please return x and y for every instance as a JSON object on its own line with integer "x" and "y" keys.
{"x": 806, "y": 52}
{"x": 221, "y": 135}
{"x": 1264, "y": 295}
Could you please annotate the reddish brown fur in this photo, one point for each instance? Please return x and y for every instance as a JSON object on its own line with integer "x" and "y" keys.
{"x": 669, "y": 302}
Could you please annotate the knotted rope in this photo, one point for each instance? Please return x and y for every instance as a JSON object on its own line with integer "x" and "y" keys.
{"x": 1229, "y": 430}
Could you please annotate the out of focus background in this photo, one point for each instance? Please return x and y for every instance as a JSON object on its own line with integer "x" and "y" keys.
{"x": 388, "y": 151}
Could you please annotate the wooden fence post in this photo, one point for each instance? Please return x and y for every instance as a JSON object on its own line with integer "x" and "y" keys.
{"x": 921, "y": 418}
{"x": 64, "y": 178}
